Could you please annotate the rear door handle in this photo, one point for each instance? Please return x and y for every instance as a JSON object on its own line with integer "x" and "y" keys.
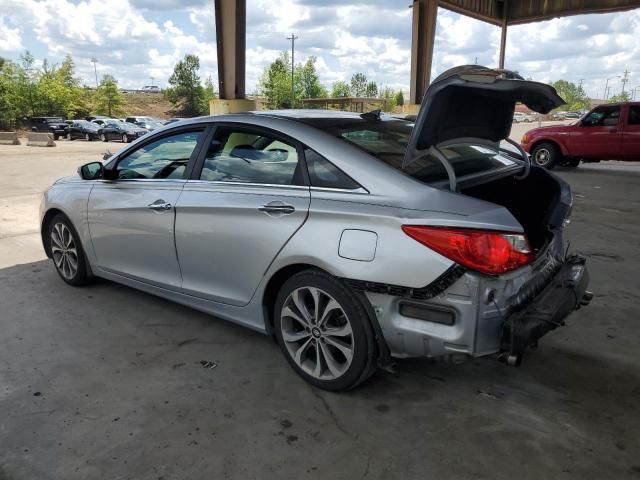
{"x": 278, "y": 208}
{"x": 159, "y": 206}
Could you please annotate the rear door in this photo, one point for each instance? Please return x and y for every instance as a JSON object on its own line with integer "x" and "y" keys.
{"x": 243, "y": 203}
{"x": 131, "y": 216}
{"x": 599, "y": 134}
{"x": 631, "y": 134}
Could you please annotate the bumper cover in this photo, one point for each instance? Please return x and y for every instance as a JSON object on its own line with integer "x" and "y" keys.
{"x": 566, "y": 292}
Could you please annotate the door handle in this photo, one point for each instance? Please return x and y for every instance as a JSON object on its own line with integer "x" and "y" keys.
{"x": 159, "y": 206}
{"x": 277, "y": 208}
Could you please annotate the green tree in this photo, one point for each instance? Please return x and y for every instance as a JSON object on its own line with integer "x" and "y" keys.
{"x": 275, "y": 83}
{"x": 372, "y": 90}
{"x": 306, "y": 79}
{"x": 108, "y": 98}
{"x": 209, "y": 91}
{"x": 340, "y": 89}
{"x": 388, "y": 99}
{"x": 358, "y": 84}
{"x": 621, "y": 97}
{"x": 571, "y": 93}
{"x": 186, "y": 93}
{"x": 399, "y": 98}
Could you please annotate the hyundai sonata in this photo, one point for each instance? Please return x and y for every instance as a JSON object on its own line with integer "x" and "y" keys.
{"x": 352, "y": 238}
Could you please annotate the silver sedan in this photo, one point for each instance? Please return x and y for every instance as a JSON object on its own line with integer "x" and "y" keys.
{"x": 352, "y": 238}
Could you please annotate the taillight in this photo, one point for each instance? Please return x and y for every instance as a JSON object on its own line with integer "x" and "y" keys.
{"x": 486, "y": 251}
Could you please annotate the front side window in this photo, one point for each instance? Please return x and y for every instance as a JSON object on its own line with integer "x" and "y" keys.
{"x": 602, "y": 117}
{"x": 245, "y": 156}
{"x": 166, "y": 157}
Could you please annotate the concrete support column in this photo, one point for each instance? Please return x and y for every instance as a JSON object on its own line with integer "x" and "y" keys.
{"x": 231, "y": 42}
{"x": 503, "y": 35}
{"x": 423, "y": 35}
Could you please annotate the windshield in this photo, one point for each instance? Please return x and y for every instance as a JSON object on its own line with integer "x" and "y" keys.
{"x": 55, "y": 120}
{"x": 387, "y": 140}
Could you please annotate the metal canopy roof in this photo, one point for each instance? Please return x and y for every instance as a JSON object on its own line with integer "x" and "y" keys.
{"x": 525, "y": 11}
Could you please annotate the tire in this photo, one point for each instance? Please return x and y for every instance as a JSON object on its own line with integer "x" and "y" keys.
{"x": 65, "y": 247}
{"x": 55, "y": 137}
{"x": 87, "y": 137}
{"x": 125, "y": 139}
{"x": 571, "y": 163}
{"x": 103, "y": 137}
{"x": 336, "y": 352}
{"x": 545, "y": 155}
{"x": 69, "y": 137}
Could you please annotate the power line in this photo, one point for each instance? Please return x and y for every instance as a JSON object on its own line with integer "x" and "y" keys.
{"x": 625, "y": 79}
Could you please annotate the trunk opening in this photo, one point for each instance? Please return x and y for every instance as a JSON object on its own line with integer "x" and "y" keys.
{"x": 539, "y": 202}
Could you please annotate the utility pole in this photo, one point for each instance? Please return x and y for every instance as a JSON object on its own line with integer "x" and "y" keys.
{"x": 94, "y": 60}
{"x": 152, "y": 79}
{"x": 293, "y": 39}
{"x": 625, "y": 79}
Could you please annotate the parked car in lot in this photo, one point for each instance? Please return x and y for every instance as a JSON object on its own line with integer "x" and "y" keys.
{"x": 352, "y": 238}
{"x": 174, "y": 120}
{"x": 608, "y": 132}
{"x": 101, "y": 122}
{"x": 123, "y": 131}
{"x": 519, "y": 117}
{"x": 53, "y": 125}
{"x": 83, "y": 129}
{"x": 137, "y": 120}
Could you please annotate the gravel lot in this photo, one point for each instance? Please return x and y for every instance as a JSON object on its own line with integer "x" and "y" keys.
{"x": 107, "y": 382}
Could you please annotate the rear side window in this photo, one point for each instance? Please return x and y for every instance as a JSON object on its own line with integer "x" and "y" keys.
{"x": 246, "y": 156}
{"x": 323, "y": 173}
{"x": 634, "y": 115}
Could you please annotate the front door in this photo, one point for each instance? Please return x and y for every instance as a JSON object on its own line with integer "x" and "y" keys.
{"x": 131, "y": 217}
{"x": 243, "y": 206}
{"x": 598, "y": 135}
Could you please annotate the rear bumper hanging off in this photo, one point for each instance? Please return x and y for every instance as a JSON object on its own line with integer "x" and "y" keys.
{"x": 566, "y": 291}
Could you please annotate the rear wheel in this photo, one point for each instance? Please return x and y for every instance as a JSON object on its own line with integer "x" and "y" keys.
{"x": 125, "y": 139}
{"x": 66, "y": 251}
{"x": 87, "y": 137}
{"x": 545, "y": 155}
{"x": 103, "y": 137}
{"x": 324, "y": 331}
{"x": 69, "y": 137}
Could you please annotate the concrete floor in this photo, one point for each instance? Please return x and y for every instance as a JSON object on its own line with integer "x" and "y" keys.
{"x": 107, "y": 382}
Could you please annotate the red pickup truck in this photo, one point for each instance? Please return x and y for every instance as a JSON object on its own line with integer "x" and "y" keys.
{"x": 608, "y": 132}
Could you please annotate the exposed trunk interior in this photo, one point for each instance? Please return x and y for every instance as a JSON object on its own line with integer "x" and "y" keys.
{"x": 539, "y": 202}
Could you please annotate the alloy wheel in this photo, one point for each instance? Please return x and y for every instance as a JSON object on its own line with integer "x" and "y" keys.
{"x": 64, "y": 250}
{"x": 317, "y": 333}
{"x": 124, "y": 139}
{"x": 87, "y": 137}
{"x": 542, "y": 157}
{"x": 103, "y": 137}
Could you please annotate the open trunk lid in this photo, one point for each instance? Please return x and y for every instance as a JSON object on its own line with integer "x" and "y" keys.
{"x": 471, "y": 104}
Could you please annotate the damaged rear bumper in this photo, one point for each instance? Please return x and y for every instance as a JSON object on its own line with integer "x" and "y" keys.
{"x": 547, "y": 310}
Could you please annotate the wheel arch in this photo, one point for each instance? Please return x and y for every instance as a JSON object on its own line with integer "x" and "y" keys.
{"x": 559, "y": 145}
{"x": 44, "y": 227}
{"x": 278, "y": 279}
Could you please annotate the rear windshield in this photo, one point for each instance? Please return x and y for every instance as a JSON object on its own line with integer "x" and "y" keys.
{"x": 387, "y": 140}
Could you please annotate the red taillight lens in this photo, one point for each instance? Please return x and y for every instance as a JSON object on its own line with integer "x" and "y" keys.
{"x": 486, "y": 251}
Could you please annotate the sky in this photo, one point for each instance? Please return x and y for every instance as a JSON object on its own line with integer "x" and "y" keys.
{"x": 135, "y": 40}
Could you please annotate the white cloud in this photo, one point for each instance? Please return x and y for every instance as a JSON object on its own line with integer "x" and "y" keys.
{"x": 10, "y": 38}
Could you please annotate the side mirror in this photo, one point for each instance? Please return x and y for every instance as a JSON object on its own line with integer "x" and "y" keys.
{"x": 91, "y": 171}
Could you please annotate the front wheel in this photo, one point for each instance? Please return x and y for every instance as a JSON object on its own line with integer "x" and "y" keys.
{"x": 125, "y": 139}
{"x": 324, "y": 331}
{"x": 103, "y": 137}
{"x": 66, "y": 251}
{"x": 69, "y": 137}
{"x": 545, "y": 155}
{"x": 87, "y": 137}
